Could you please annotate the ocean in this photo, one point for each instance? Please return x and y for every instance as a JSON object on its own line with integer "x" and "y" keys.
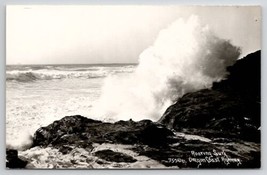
{"x": 37, "y": 95}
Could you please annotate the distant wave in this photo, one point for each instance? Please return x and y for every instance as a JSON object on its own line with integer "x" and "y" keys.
{"x": 22, "y": 77}
{"x": 31, "y": 75}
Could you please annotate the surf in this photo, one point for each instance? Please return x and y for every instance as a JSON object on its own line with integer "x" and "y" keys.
{"x": 186, "y": 56}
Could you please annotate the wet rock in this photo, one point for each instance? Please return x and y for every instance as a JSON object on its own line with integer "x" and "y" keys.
{"x": 86, "y": 131}
{"x": 70, "y": 126}
{"x": 156, "y": 135}
{"x": 112, "y": 156}
{"x": 13, "y": 161}
{"x": 231, "y": 107}
{"x": 155, "y": 141}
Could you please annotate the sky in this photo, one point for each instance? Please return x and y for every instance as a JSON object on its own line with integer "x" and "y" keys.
{"x": 91, "y": 34}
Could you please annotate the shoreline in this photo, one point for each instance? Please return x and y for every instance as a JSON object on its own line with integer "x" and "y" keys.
{"x": 132, "y": 144}
{"x": 210, "y": 128}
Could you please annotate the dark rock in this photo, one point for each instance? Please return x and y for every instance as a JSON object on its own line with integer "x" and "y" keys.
{"x": 244, "y": 77}
{"x": 156, "y": 135}
{"x": 86, "y": 131}
{"x": 13, "y": 161}
{"x": 231, "y": 107}
{"x": 112, "y": 156}
{"x": 153, "y": 140}
{"x": 65, "y": 149}
{"x": 189, "y": 152}
{"x": 71, "y": 127}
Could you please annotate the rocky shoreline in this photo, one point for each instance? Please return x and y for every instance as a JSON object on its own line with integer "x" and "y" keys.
{"x": 210, "y": 128}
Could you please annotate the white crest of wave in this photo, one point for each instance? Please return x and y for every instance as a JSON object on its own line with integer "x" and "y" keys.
{"x": 186, "y": 57}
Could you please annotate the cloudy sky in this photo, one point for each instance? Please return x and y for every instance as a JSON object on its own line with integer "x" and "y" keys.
{"x": 113, "y": 34}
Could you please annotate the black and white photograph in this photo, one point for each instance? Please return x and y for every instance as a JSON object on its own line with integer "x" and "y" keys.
{"x": 133, "y": 87}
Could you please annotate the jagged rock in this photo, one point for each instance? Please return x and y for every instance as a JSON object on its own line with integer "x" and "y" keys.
{"x": 69, "y": 129}
{"x": 231, "y": 107}
{"x": 84, "y": 132}
{"x": 244, "y": 77}
{"x": 13, "y": 161}
{"x": 150, "y": 139}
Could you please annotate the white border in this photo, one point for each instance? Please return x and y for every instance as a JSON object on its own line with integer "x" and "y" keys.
{"x": 3, "y": 3}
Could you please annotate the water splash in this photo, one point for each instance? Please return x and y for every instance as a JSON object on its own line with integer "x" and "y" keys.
{"x": 186, "y": 56}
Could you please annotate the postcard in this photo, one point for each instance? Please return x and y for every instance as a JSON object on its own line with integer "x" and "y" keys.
{"x": 133, "y": 87}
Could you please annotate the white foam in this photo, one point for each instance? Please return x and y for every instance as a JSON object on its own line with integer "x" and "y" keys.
{"x": 80, "y": 158}
{"x": 186, "y": 57}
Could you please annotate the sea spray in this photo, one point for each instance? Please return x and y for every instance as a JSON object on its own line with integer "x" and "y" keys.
{"x": 185, "y": 57}
{"x": 23, "y": 141}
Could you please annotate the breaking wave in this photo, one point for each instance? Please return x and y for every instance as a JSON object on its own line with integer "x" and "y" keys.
{"x": 186, "y": 56}
{"x": 34, "y": 74}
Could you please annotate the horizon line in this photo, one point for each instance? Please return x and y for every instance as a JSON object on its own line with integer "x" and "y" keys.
{"x": 18, "y": 64}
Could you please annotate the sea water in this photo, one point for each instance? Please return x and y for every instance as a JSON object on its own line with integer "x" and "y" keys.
{"x": 37, "y": 95}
